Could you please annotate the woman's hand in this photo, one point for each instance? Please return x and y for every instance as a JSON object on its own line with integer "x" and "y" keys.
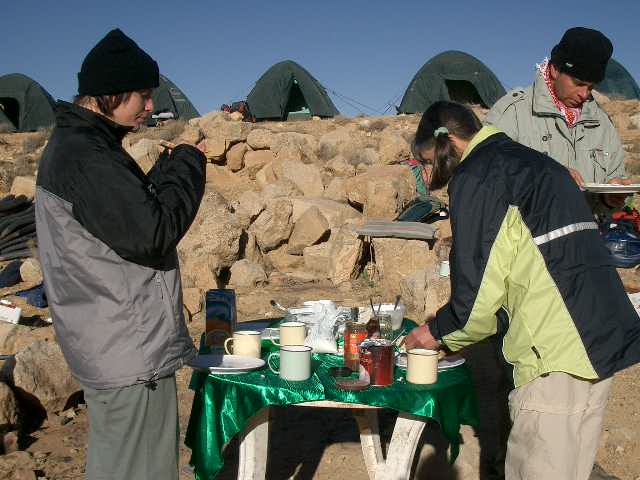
{"x": 420, "y": 337}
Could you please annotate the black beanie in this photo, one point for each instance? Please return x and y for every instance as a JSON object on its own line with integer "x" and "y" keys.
{"x": 583, "y": 53}
{"x": 116, "y": 65}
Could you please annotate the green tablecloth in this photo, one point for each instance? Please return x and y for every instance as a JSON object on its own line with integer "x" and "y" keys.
{"x": 223, "y": 404}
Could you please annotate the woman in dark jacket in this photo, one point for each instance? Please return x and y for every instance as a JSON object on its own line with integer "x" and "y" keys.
{"x": 525, "y": 244}
{"x": 107, "y": 243}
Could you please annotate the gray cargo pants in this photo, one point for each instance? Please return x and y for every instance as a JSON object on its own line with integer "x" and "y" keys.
{"x": 133, "y": 432}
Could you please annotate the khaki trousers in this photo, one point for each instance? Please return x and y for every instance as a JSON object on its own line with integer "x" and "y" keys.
{"x": 557, "y": 420}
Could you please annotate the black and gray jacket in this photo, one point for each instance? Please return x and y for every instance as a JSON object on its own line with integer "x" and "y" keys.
{"x": 107, "y": 236}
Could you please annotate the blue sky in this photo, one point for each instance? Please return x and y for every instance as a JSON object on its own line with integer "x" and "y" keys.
{"x": 365, "y": 50}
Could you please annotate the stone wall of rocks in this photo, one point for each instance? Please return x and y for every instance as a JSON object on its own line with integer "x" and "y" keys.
{"x": 285, "y": 198}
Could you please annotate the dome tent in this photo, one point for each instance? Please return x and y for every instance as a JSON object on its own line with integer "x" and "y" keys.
{"x": 169, "y": 99}
{"x": 286, "y": 91}
{"x": 26, "y": 104}
{"x": 451, "y": 75}
{"x": 618, "y": 83}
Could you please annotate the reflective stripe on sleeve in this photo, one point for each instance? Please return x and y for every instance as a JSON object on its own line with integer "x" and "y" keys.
{"x": 566, "y": 230}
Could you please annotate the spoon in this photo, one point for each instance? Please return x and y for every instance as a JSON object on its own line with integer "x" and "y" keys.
{"x": 276, "y": 305}
{"x": 395, "y": 305}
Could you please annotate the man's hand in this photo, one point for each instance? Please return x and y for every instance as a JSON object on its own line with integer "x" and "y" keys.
{"x": 420, "y": 337}
{"x": 577, "y": 177}
{"x": 616, "y": 200}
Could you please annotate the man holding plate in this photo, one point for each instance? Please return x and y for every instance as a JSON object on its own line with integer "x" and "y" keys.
{"x": 558, "y": 116}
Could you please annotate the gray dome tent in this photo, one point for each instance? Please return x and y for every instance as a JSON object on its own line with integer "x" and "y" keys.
{"x": 618, "y": 83}
{"x": 288, "y": 91}
{"x": 169, "y": 99}
{"x": 451, "y": 75}
{"x": 26, "y": 104}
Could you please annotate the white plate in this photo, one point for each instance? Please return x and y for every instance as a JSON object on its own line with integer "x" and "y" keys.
{"x": 225, "y": 364}
{"x": 609, "y": 188}
{"x": 447, "y": 362}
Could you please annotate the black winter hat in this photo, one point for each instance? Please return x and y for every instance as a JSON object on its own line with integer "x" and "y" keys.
{"x": 583, "y": 53}
{"x": 116, "y": 65}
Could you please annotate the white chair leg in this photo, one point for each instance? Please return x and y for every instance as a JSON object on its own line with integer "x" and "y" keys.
{"x": 254, "y": 447}
{"x": 402, "y": 449}
{"x": 370, "y": 440}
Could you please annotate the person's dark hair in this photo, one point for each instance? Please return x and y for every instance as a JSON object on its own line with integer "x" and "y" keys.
{"x": 106, "y": 103}
{"x": 458, "y": 120}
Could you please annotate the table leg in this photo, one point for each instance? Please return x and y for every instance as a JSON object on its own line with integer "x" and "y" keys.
{"x": 370, "y": 440}
{"x": 254, "y": 446}
{"x": 402, "y": 449}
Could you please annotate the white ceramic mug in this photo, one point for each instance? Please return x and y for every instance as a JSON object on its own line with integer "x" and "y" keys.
{"x": 245, "y": 342}
{"x": 291, "y": 333}
{"x": 422, "y": 366}
{"x": 295, "y": 362}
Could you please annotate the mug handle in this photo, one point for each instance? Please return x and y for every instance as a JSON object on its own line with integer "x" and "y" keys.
{"x": 226, "y": 343}
{"x": 277, "y": 344}
{"x": 277, "y": 372}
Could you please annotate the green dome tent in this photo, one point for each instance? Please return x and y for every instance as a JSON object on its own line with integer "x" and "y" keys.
{"x": 451, "y": 75}
{"x": 287, "y": 91}
{"x": 618, "y": 83}
{"x": 169, "y": 99}
{"x": 26, "y": 104}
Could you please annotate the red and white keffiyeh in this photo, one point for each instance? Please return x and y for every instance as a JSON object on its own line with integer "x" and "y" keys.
{"x": 571, "y": 115}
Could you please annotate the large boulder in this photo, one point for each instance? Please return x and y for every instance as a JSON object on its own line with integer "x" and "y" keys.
{"x": 229, "y": 132}
{"x": 248, "y": 206}
{"x": 24, "y": 186}
{"x": 222, "y": 180}
{"x": 235, "y": 156}
{"x": 336, "y": 190}
{"x": 273, "y": 227}
{"x": 201, "y": 271}
{"x": 245, "y": 273}
{"x": 281, "y": 188}
{"x": 382, "y": 191}
{"x": 282, "y": 261}
{"x": 310, "y": 228}
{"x": 250, "y": 249}
{"x": 306, "y": 177}
{"x": 339, "y": 167}
{"x": 397, "y": 258}
{"x": 393, "y": 148}
{"x": 255, "y": 160}
{"x": 18, "y": 466}
{"x": 345, "y": 255}
{"x": 192, "y": 299}
{"x": 424, "y": 291}
{"x": 316, "y": 259}
{"x": 336, "y": 213}
{"x": 214, "y": 232}
{"x": 260, "y": 139}
{"x": 8, "y": 409}
{"x": 294, "y": 146}
{"x": 42, "y": 378}
{"x": 215, "y": 149}
{"x": 14, "y": 338}
{"x": 266, "y": 175}
{"x": 331, "y": 143}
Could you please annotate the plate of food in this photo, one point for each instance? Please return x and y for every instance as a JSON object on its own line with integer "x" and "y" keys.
{"x": 612, "y": 188}
{"x": 225, "y": 364}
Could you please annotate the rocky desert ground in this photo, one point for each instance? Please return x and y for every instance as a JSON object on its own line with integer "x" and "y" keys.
{"x": 277, "y": 222}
